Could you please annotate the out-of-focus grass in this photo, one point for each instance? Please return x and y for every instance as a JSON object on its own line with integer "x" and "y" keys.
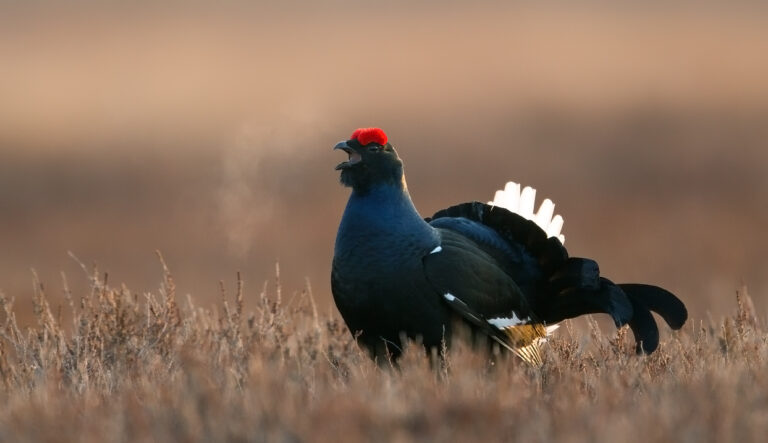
{"x": 654, "y": 197}
{"x": 114, "y": 365}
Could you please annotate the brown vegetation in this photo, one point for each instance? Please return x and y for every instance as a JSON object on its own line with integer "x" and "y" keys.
{"x": 153, "y": 367}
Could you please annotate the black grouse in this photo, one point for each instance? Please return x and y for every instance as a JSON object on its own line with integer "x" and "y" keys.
{"x": 397, "y": 275}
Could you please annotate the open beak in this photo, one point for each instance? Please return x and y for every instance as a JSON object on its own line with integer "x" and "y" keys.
{"x": 354, "y": 157}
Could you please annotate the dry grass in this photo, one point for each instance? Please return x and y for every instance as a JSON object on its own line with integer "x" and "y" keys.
{"x": 154, "y": 367}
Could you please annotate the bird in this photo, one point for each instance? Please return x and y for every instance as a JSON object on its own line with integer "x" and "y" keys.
{"x": 497, "y": 268}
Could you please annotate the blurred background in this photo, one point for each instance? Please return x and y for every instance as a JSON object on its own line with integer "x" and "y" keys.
{"x": 205, "y": 131}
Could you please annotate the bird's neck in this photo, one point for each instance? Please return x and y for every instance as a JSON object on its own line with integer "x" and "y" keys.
{"x": 386, "y": 215}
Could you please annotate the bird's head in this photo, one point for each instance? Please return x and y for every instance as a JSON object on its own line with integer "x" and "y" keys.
{"x": 372, "y": 161}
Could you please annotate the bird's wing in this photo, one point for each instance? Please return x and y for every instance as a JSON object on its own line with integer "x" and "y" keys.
{"x": 512, "y": 257}
{"x": 520, "y": 245}
{"x": 474, "y": 285}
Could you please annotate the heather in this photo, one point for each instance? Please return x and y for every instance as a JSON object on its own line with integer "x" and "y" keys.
{"x": 113, "y": 365}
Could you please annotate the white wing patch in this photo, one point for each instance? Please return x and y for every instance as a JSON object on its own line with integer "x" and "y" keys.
{"x": 437, "y": 249}
{"x": 519, "y": 336}
{"x": 523, "y": 201}
{"x": 506, "y": 322}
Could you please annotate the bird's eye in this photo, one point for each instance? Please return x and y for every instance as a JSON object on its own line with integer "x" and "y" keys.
{"x": 374, "y": 148}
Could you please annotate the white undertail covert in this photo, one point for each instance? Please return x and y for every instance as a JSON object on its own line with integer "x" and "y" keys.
{"x": 522, "y": 202}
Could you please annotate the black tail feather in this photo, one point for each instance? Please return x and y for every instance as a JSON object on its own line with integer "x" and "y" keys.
{"x": 660, "y": 301}
{"x": 643, "y": 327}
{"x": 576, "y": 295}
{"x": 618, "y": 305}
{"x": 576, "y": 273}
{"x": 575, "y": 288}
{"x": 574, "y": 302}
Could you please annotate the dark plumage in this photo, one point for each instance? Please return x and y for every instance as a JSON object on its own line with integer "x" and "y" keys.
{"x": 398, "y": 275}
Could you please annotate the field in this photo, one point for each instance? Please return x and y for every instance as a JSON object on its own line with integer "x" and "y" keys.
{"x": 112, "y": 365}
